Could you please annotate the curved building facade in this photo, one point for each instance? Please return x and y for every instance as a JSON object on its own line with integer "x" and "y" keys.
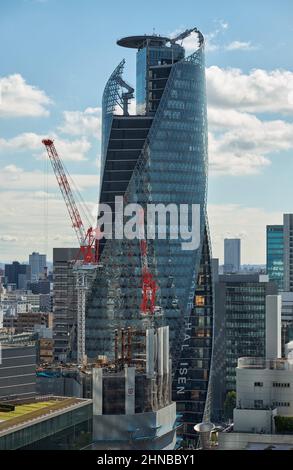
{"x": 158, "y": 156}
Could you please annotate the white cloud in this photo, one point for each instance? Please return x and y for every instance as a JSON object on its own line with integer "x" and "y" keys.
{"x": 240, "y": 142}
{"x": 247, "y": 223}
{"x": 87, "y": 122}
{"x": 18, "y": 99}
{"x": 259, "y": 91}
{"x": 70, "y": 150}
{"x": 243, "y": 150}
{"x": 240, "y": 46}
{"x": 45, "y": 229}
{"x": 20, "y": 179}
{"x": 8, "y": 238}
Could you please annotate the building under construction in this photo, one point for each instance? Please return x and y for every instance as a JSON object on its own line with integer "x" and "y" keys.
{"x": 132, "y": 405}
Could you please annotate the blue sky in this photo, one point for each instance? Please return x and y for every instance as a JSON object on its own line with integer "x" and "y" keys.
{"x": 55, "y": 58}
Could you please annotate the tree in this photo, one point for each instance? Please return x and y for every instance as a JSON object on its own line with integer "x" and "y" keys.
{"x": 230, "y": 404}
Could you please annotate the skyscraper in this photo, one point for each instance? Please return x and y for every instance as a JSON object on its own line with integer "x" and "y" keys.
{"x": 37, "y": 263}
{"x": 275, "y": 254}
{"x": 159, "y": 155}
{"x": 288, "y": 250}
{"x": 232, "y": 247}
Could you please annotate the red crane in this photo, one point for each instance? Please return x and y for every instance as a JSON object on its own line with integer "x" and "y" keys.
{"x": 89, "y": 245}
{"x": 149, "y": 286}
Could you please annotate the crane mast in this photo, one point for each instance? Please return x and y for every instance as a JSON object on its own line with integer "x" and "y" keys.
{"x": 149, "y": 286}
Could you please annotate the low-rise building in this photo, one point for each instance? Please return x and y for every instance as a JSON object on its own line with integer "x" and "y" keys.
{"x": 46, "y": 423}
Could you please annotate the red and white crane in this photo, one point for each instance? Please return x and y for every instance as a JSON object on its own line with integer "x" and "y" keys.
{"x": 149, "y": 285}
{"x": 88, "y": 243}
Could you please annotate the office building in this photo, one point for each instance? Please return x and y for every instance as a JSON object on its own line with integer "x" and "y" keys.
{"x": 158, "y": 155}
{"x": 64, "y": 302}
{"x": 288, "y": 252}
{"x": 240, "y": 323}
{"x": 232, "y": 255}
{"x": 18, "y": 274}
{"x": 264, "y": 394}
{"x": 38, "y": 264}
{"x": 275, "y": 254}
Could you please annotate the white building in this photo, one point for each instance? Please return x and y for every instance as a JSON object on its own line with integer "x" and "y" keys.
{"x": 264, "y": 390}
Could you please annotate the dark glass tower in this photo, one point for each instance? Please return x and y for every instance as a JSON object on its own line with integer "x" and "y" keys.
{"x": 159, "y": 156}
{"x": 275, "y": 254}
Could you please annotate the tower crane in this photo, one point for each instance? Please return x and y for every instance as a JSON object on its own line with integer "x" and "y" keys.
{"x": 88, "y": 243}
{"x": 149, "y": 285}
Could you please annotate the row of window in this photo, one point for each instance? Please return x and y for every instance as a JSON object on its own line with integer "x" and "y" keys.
{"x": 275, "y": 384}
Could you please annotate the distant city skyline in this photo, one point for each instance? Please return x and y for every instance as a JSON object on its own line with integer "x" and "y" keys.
{"x": 46, "y": 89}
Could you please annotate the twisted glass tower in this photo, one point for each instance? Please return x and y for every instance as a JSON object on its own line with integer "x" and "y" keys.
{"x": 159, "y": 156}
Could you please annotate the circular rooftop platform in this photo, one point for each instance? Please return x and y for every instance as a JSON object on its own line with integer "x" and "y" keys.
{"x": 136, "y": 42}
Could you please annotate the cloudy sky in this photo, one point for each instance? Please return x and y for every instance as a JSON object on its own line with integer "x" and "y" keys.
{"x": 55, "y": 58}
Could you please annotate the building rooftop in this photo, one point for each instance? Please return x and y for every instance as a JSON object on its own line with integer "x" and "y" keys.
{"x": 136, "y": 42}
{"x": 28, "y": 412}
{"x": 261, "y": 363}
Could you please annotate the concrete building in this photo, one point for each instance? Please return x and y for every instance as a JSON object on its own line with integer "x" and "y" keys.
{"x": 240, "y": 322}
{"x": 232, "y": 255}
{"x": 287, "y": 319}
{"x": 64, "y": 302}
{"x": 264, "y": 393}
{"x": 38, "y": 264}
{"x": 132, "y": 403}
{"x": 17, "y": 370}
{"x": 27, "y": 321}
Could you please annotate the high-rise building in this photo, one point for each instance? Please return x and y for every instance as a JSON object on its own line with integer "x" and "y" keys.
{"x": 232, "y": 255}
{"x": 275, "y": 254}
{"x": 240, "y": 313}
{"x": 158, "y": 155}
{"x": 18, "y": 274}
{"x": 37, "y": 263}
{"x": 288, "y": 252}
{"x": 64, "y": 302}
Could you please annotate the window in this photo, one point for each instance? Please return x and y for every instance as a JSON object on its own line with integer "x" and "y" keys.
{"x": 258, "y": 404}
{"x": 281, "y": 403}
{"x": 199, "y": 300}
{"x": 281, "y": 384}
{"x": 258, "y": 384}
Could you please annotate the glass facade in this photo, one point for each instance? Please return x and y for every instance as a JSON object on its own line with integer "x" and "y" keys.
{"x": 240, "y": 301}
{"x": 275, "y": 254}
{"x": 160, "y": 156}
{"x": 71, "y": 430}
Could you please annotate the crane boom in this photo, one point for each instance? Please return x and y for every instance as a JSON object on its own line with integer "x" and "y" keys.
{"x": 87, "y": 241}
